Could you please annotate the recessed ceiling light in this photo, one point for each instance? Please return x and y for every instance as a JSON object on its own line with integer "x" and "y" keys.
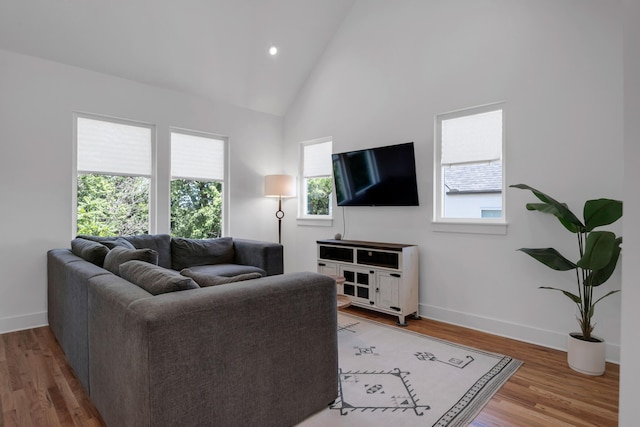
{"x": 273, "y": 50}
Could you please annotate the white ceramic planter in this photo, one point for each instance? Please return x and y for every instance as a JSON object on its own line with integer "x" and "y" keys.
{"x": 586, "y": 357}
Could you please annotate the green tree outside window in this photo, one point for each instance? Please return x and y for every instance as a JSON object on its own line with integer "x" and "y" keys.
{"x": 119, "y": 205}
{"x": 112, "y": 205}
{"x": 196, "y": 209}
{"x": 318, "y": 196}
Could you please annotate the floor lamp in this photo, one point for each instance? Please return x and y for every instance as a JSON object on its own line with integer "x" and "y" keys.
{"x": 279, "y": 186}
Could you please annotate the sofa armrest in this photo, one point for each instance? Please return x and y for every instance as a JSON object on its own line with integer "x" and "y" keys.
{"x": 116, "y": 346}
{"x": 67, "y": 276}
{"x": 265, "y": 255}
{"x": 259, "y": 352}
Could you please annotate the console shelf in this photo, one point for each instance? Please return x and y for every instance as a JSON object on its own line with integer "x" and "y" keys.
{"x": 379, "y": 276}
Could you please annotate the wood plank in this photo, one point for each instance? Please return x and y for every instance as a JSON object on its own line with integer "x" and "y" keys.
{"x": 39, "y": 378}
{"x": 6, "y": 396}
{"x": 22, "y": 413}
{"x": 13, "y": 371}
{"x": 57, "y": 409}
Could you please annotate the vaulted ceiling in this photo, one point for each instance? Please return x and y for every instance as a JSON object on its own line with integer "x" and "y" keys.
{"x": 211, "y": 48}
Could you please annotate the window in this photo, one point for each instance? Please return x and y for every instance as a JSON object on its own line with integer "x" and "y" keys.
{"x": 469, "y": 178}
{"x": 117, "y": 185}
{"x": 316, "y": 182}
{"x": 114, "y": 176}
{"x": 197, "y": 184}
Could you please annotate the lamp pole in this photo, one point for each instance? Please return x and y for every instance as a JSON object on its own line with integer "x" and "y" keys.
{"x": 280, "y": 215}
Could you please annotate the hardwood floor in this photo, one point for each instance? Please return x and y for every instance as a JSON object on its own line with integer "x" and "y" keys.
{"x": 38, "y": 388}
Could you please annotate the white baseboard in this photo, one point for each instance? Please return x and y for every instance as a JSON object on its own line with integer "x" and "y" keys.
{"x": 19, "y": 323}
{"x": 501, "y": 328}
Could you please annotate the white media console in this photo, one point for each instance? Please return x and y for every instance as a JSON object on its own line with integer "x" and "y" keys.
{"x": 379, "y": 276}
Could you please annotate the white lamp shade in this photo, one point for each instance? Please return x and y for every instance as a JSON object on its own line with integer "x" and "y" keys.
{"x": 279, "y": 186}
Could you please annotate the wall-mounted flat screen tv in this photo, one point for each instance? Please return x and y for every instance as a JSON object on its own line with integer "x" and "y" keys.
{"x": 382, "y": 176}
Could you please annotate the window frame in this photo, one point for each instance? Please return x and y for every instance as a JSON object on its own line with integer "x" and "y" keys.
{"x": 470, "y": 225}
{"x": 225, "y": 181}
{"x": 303, "y": 217}
{"x": 153, "y": 188}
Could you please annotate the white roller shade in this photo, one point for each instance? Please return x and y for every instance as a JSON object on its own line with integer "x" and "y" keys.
{"x": 113, "y": 148}
{"x": 197, "y": 157}
{"x": 317, "y": 159}
{"x": 472, "y": 139}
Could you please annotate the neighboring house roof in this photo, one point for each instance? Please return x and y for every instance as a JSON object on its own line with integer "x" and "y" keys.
{"x": 473, "y": 178}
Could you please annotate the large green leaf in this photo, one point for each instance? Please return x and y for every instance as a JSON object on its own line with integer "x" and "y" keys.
{"x": 604, "y": 296}
{"x": 601, "y": 212}
{"x": 560, "y": 210}
{"x": 598, "y": 251}
{"x": 598, "y": 277}
{"x": 550, "y": 257}
{"x": 573, "y": 297}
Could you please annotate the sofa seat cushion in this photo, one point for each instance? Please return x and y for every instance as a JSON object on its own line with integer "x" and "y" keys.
{"x": 227, "y": 270}
{"x": 204, "y": 280}
{"x": 119, "y": 255}
{"x": 155, "y": 279}
{"x": 88, "y": 250}
{"x": 187, "y": 253}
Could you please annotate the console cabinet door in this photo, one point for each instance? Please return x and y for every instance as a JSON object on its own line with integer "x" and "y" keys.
{"x": 388, "y": 290}
{"x": 358, "y": 284}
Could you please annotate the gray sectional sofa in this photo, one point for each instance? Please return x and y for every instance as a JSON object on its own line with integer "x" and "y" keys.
{"x": 255, "y": 352}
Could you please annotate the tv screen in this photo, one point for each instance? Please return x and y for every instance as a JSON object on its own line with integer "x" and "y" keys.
{"x": 383, "y": 176}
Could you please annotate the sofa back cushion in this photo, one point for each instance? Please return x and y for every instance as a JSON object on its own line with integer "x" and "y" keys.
{"x": 154, "y": 279}
{"x": 187, "y": 253}
{"x": 119, "y": 255}
{"x": 160, "y": 243}
{"x": 88, "y": 250}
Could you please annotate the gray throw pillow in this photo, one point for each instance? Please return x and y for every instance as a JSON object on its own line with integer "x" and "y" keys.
{"x": 154, "y": 279}
{"x": 204, "y": 280}
{"x": 119, "y": 255}
{"x": 118, "y": 241}
{"x": 88, "y": 250}
{"x": 187, "y": 253}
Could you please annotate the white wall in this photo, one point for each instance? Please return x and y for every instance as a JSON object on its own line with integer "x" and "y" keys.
{"x": 630, "y": 351}
{"x": 557, "y": 65}
{"x": 37, "y": 101}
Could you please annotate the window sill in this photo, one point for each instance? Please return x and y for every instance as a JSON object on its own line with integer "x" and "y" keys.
{"x": 470, "y": 227}
{"x": 315, "y": 222}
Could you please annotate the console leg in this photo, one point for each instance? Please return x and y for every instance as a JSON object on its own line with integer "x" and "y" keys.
{"x": 401, "y": 321}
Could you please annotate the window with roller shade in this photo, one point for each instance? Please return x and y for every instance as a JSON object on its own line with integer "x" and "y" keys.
{"x": 469, "y": 178}
{"x": 315, "y": 178}
{"x": 114, "y": 168}
{"x": 197, "y": 184}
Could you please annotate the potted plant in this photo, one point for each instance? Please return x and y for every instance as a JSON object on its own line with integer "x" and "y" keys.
{"x": 599, "y": 252}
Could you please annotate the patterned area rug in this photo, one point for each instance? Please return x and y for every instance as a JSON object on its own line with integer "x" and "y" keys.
{"x": 393, "y": 377}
